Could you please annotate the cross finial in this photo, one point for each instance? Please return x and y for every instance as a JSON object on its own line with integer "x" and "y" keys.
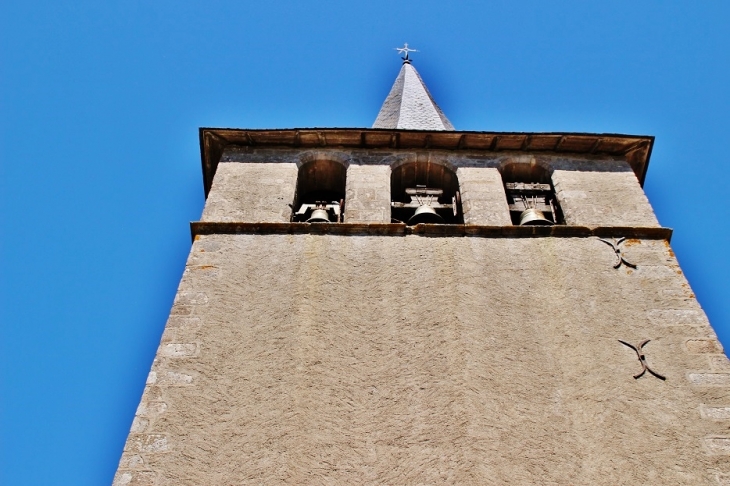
{"x": 405, "y": 50}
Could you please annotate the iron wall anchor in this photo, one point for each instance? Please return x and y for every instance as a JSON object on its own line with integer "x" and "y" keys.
{"x": 615, "y": 244}
{"x": 642, "y": 360}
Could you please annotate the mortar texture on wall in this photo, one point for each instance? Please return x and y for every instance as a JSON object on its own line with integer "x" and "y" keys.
{"x": 483, "y": 196}
{"x": 413, "y": 360}
{"x": 367, "y": 197}
{"x": 252, "y": 192}
{"x": 602, "y": 198}
{"x": 259, "y": 186}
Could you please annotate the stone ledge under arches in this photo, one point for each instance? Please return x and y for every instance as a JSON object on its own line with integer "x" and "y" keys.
{"x": 198, "y": 228}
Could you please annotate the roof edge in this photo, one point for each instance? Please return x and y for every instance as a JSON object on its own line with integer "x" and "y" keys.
{"x": 636, "y": 149}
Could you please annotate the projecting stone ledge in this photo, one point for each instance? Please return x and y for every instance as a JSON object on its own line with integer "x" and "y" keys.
{"x": 400, "y": 229}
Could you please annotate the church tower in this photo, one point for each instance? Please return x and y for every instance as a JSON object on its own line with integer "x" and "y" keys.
{"x": 413, "y": 304}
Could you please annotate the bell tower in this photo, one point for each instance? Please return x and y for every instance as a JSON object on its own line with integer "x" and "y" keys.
{"x": 413, "y": 304}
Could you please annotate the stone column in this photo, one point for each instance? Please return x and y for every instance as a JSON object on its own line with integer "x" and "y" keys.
{"x": 603, "y": 198}
{"x": 482, "y": 196}
{"x": 367, "y": 197}
{"x": 252, "y": 193}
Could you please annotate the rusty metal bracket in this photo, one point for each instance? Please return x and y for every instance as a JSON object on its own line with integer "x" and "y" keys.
{"x": 642, "y": 359}
{"x": 616, "y": 244}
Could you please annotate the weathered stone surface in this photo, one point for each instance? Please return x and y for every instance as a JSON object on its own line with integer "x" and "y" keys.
{"x": 252, "y": 192}
{"x": 367, "y": 194}
{"x": 150, "y": 443}
{"x": 131, "y": 461}
{"x": 180, "y": 310}
{"x": 139, "y": 424}
{"x": 602, "y": 198}
{"x": 352, "y": 358}
{"x": 170, "y": 378}
{"x": 135, "y": 478}
{"x": 718, "y": 445}
{"x": 715, "y": 413}
{"x": 719, "y": 363}
{"x": 258, "y": 185}
{"x": 178, "y": 350}
{"x": 191, "y": 298}
{"x": 677, "y": 317}
{"x": 710, "y": 379}
{"x": 700, "y": 346}
{"x": 184, "y": 323}
{"x": 152, "y": 408}
{"x": 483, "y": 198}
{"x": 402, "y": 360}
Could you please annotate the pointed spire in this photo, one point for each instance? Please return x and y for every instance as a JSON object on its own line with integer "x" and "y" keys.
{"x": 409, "y": 105}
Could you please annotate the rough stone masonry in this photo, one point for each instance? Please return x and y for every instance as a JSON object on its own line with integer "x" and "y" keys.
{"x": 375, "y": 356}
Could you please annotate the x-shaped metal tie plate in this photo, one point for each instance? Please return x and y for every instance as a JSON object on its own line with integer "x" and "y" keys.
{"x": 642, "y": 359}
{"x": 616, "y": 244}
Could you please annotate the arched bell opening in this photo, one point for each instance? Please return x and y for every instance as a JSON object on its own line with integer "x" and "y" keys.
{"x": 425, "y": 192}
{"x": 320, "y": 195}
{"x": 530, "y": 195}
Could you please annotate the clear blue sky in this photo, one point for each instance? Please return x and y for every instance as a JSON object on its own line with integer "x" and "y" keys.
{"x": 100, "y": 107}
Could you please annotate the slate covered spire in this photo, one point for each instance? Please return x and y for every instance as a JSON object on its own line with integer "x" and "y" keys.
{"x": 409, "y": 105}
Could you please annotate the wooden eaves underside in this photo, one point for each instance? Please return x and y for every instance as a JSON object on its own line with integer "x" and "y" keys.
{"x": 636, "y": 149}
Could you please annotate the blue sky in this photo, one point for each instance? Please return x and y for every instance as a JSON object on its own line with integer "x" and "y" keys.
{"x": 100, "y": 103}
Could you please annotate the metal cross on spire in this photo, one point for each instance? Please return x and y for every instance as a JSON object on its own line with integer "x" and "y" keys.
{"x": 405, "y": 50}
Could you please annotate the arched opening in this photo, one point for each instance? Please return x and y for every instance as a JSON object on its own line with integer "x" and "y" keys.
{"x": 320, "y": 192}
{"x": 530, "y": 195}
{"x": 424, "y": 192}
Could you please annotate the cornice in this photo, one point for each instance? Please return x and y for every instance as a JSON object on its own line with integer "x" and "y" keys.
{"x": 635, "y": 149}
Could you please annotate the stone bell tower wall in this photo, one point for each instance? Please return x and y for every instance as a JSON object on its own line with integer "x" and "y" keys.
{"x": 410, "y": 359}
{"x": 601, "y": 194}
{"x": 368, "y": 194}
{"x": 368, "y": 352}
{"x": 257, "y": 186}
{"x": 252, "y": 192}
{"x": 483, "y": 199}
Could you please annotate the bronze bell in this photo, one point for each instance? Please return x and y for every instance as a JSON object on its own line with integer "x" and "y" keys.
{"x": 534, "y": 216}
{"x": 425, "y": 214}
{"x": 319, "y": 216}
